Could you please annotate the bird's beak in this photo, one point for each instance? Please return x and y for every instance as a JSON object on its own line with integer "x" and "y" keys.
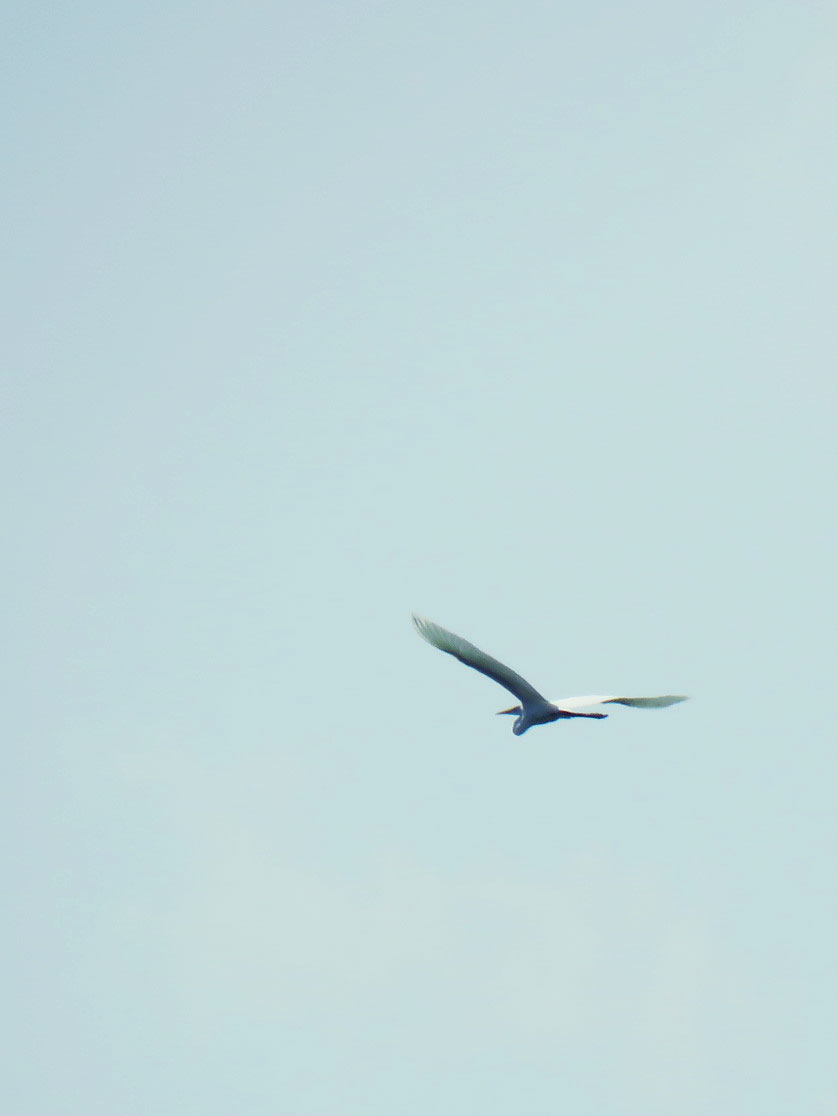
{"x": 514, "y": 709}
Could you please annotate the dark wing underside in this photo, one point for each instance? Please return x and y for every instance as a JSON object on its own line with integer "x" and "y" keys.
{"x": 478, "y": 660}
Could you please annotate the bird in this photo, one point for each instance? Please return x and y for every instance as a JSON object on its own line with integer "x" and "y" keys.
{"x": 534, "y": 708}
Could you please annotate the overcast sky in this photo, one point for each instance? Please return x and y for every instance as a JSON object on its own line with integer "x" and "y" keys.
{"x": 520, "y": 316}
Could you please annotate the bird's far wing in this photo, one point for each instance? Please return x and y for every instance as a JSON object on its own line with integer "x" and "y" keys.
{"x": 472, "y": 656}
{"x": 651, "y": 702}
{"x": 569, "y": 704}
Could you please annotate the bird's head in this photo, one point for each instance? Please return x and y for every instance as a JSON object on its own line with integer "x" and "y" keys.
{"x": 515, "y": 711}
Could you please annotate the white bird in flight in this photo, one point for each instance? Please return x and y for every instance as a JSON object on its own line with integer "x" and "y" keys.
{"x": 534, "y": 709}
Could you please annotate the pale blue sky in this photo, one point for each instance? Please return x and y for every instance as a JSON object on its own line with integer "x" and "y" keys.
{"x": 520, "y": 316}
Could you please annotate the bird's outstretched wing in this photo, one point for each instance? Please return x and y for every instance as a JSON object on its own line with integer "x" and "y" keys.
{"x": 472, "y": 656}
{"x": 638, "y": 702}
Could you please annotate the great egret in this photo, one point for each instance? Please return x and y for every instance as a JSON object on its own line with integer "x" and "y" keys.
{"x": 534, "y": 708}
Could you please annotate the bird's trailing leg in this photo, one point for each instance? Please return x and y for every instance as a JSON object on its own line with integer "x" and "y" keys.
{"x": 515, "y": 709}
{"x": 598, "y": 716}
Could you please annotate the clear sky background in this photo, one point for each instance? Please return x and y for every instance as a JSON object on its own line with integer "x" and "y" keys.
{"x": 517, "y": 315}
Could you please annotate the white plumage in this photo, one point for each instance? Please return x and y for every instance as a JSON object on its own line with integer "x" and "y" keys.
{"x": 534, "y": 708}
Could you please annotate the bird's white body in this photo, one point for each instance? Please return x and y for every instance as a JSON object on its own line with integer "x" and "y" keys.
{"x": 534, "y": 708}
